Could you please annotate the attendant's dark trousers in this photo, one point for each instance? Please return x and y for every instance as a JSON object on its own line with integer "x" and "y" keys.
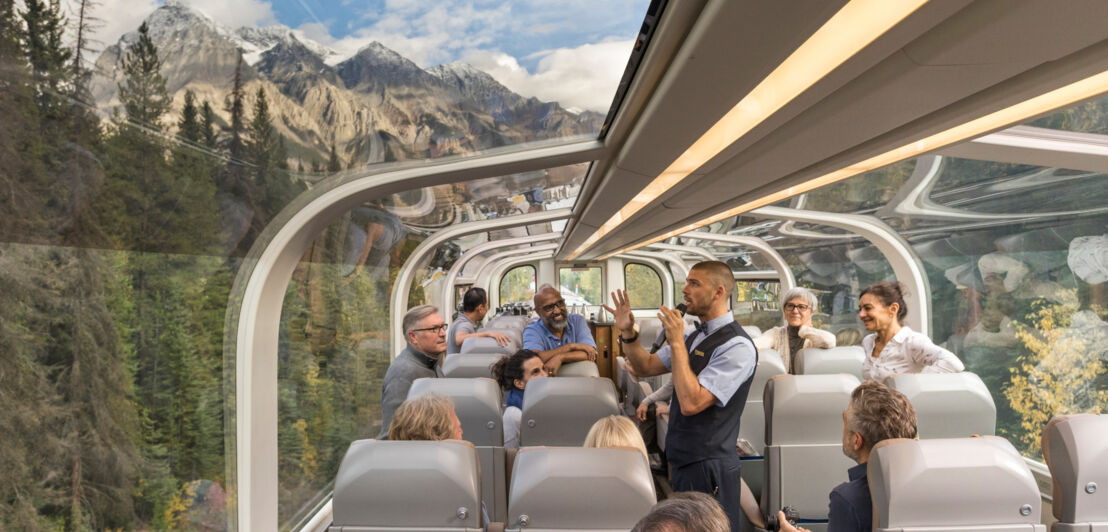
{"x": 717, "y": 477}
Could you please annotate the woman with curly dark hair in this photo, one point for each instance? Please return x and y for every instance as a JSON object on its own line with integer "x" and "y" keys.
{"x": 512, "y": 374}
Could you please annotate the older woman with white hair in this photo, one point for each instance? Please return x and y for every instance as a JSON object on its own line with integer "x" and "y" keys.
{"x": 798, "y": 333}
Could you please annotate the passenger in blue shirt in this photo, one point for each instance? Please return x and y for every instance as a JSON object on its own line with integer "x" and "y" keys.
{"x": 558, "y": 337}
{"x": 875, "y": 413}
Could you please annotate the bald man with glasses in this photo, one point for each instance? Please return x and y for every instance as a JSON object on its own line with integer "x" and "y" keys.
{"x": 558, "y": 337}
{"x": 426, "y": 334}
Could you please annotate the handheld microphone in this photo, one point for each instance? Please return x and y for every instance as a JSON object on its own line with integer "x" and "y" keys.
{"x": 662, "y": 334}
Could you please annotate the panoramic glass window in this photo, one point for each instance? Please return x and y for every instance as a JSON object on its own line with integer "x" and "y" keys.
{"x": 139, "y": 169}
{"x": 581, "y": 286}
{"x": 1013, "y": 255}
{"x": 518, "y": 285}
{"x": 644, "y": 286}
{"x": 1086, "y": 117}
{"x": 756, "y": 303}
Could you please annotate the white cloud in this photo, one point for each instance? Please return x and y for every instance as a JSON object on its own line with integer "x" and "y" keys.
{"x": 584, "y": 77}
{"x": 235, "y": 13}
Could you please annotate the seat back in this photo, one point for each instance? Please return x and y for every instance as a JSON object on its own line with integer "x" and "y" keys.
{"x": 478, "y": 344}
{"x": 752, "y": 427}
{"x": 952, "y": 485}
{"x": 753, "y": 330}
{"x": 804, "y": 458}
{"x": 516, "y": 335}
{"x": 477, "y": 403}
{"x": 468, "y": 365}
{"x": 561, "y": 411}
{"x": 649, "y": 328}
{"x": 575, "y": 488}
{"x": 1076, "y": 450}
{"x": 948, "y": 405}
{"x": 378, "y": 483}
{"x": 583, "y": 368}
{"x": 818, "y": 361}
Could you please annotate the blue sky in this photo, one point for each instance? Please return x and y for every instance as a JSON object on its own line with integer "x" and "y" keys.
{"x": 569, "y": 51}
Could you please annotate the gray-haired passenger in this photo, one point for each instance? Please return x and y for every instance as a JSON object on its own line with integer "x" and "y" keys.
{"x": 689, "y": 511}
{"x": 426, "y": 334}
{"x": 798, "y": 305}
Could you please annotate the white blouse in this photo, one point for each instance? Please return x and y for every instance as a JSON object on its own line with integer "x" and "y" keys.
{"x": 907, "y": 352}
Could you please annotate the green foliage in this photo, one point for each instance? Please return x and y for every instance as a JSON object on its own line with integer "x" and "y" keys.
{"x": 585, "y": 283}
{"x": 142, "y": 91}
{"x": 518, "y": 285}
{"x": 644, "y": 287}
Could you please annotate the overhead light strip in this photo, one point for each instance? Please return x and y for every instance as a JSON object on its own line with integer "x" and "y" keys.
{"x": 856, "y": 25}
{"x": 1070, "y": 94}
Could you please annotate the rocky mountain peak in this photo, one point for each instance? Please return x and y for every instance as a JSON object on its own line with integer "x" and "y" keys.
{"x": 376, "y": 65}
{"x": 168, "y": 18}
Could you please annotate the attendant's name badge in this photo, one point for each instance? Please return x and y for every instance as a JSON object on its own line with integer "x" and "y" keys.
{"x": 698, "y": 352}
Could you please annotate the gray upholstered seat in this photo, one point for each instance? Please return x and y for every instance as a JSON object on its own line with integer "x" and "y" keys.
{"x": 407, "y": 485}
{"x": 804, "y": 457}
{"x": 477, "y": 403}
{"x": 818, "y": 361}
{"x": 1076, "y": 449}
{"x": 467, "y": 365}
{"x": 477, "y": 344}
{"x": 948, "y": 405}
{"x": 752, "y": 330}
{"x": 584, "y": 368}
{"x": 575, "y": 488}
{"x": 560, "y": 411}
{"x": 516, "y": 335}
{"x": 952, "y": 485}
{"x": 752, "y": 427}
{"x": 648, "y": 331}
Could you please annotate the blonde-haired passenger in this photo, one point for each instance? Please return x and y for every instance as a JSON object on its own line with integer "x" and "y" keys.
{"x": 798, "y": 305}
{"x": 616, "y": 431}
{"x": 427, "y": 417}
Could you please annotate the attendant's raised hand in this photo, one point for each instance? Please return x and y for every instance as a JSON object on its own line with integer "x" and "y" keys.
{"x": 621, "y": 314}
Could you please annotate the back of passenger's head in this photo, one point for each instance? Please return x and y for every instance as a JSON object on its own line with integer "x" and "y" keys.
{"x": 878, "y": 412}
{"x": 415, "y": 315}
{"x": 802, "y": 293}
{"x": 689, "y": 511}
{"x": 720, "y": 274}
{"x": 615, "y": 431}
{"x": 427, "y": 417}
{"x": 510, "y": 368}
{"x": 887, "y": 294}
{"x": 473, "y": 298}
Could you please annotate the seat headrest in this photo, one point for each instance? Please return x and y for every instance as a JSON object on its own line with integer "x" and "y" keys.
{"x": 561, "y": 410}
{"x": 806, "y": 409}
{"x": 468, "y": 365}
{"x": 584, "y": 368}
{"x": 769, "y": 366}
{"x": 1076, "y": 450}
{"x": 948, "y": 405}
{"x": 951, "y": 484}
{"x": 477, "y": 403}
{"x": 516, "y": 335}
{"x": 380, "y": 482}
{"x": 576, "y": 488}
{"x": 753, "y": 330}
{"x": 818, "y": 361}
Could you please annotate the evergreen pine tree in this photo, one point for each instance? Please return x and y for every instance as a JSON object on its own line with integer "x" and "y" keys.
{"x": 142, "y": 92}
{"x": 333, "y": 162}
{"x": 207, "y": 126}
{"x": 43, "y": 38}
{"x": 189, "y": 126}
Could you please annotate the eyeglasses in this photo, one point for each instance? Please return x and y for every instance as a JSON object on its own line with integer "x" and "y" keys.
{"x": 561, "y": 303}
{"x": 789, "y": 307}
{"x": 436, "y": 329}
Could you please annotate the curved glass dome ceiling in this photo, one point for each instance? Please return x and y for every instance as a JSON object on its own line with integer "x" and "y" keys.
{"x": 353, "y": 84}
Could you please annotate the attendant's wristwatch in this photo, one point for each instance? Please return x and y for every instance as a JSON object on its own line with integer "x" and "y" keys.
{"x": 632, "y": 339}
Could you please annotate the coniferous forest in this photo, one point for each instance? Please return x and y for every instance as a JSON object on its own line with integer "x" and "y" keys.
{"x": 116, "y": 266}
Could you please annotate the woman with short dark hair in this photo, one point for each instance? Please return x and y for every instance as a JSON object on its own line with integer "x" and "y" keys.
{"x": 894, "y": 349}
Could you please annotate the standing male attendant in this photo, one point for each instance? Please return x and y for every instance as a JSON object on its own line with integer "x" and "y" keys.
{"x": 713, "y": 366}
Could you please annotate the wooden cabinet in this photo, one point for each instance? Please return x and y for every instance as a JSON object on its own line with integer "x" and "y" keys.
{"x": 606, "y": 348}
